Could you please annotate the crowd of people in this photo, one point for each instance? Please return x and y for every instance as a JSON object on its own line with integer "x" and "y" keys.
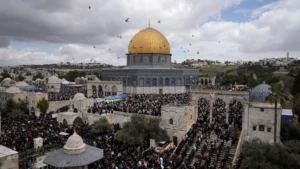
{"x": 66, "y": 92}
{"x": 206, "y": 145}
{"x": 149, "y": 104}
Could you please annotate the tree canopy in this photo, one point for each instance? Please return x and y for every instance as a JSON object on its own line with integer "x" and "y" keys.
{"x": 296, "y": 105}
{"x": 16, "y": 113}
{"x": 20, "y": 78}
{"x": 101, "y": 126}
{"x": 38, "y": 75}
{"x": 289, "y": 131}
{"x": 141, "y": 129}
{"x": 260, "y": 155}
{"x": 11, "y": 105}
{"x": 296, "y": 86}
{"x": 71, "y": 75}
{"x": 43, "y": 105}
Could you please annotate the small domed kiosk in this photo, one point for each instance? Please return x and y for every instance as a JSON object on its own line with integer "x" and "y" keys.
{"x": 75, "y": 154}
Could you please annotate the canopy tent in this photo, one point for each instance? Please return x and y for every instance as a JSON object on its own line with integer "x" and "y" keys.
{"x": 30, "y": 89}
{"x": 99, "y": 100}
{"x": 287, "y": 114}
{"x": 68, "y": 83}
{"x": 109, "y": 99}
{"x": 123, "y": 96}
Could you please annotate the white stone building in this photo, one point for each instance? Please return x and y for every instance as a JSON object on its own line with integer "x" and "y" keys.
{"x": 53, "y": 84}
{"x": 9, "y": 159}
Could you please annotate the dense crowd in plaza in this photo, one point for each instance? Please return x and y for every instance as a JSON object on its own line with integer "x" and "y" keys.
{"x": 66, "y": 92}
{"x": 149, "y": 104}
{"x": 204, "y": 146}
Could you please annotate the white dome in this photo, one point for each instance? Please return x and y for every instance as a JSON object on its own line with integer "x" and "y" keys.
{"x": 54, "y": 79}
{"x": 74, "y": 145}
{"x": 38, "y": 79}
{"x": 6, "y": 79}
{"x": 13, "y": 90}
{"x": 79, "y": 96}
{"x": 21, "y": 84}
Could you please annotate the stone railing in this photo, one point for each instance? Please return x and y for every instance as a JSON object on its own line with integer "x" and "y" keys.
{"x": 239, "y": 147}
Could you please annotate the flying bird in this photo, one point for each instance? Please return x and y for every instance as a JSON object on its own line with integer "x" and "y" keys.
{"x": 94, "y": 46}
{"x": 198, "y": 53}
{"x": 109, "y": 49}
{"x": 188, "y": 50}
{"x": 120, "y": 37}
{"x": 192, "y": 35}
{"x": 118, "y": 57}
{"x": 127, "y": 20}
{"x": 89, "y": 7}
{"x": 158, "y": 21}
{"x": 190, "y": 44}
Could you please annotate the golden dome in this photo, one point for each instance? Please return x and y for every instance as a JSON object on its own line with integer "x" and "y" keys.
{"x": 149, "y": 40}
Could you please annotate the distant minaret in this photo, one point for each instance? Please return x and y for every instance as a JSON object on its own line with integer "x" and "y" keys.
{"x": 287, "y": 56}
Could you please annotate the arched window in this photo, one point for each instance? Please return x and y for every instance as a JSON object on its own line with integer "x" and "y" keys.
{"x": 171, "y": 121}
{"x": 167, "y": 82}
{"x": 114, "y": 90}
{"x": 202, "y": 81}
{"x": 173, "y": 82}
{"x": 154, "y": 82}
{"x": 124, "y": 81}
{"x": 179, "y": 82}
{"x": 148, "y": 82}
{"x": 141, "y": 82}
{"x": 160, "y": 82}
{"x": 205, "y": 82}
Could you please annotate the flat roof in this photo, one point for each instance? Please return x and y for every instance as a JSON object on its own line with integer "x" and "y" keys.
{"x": 4, "y": 151}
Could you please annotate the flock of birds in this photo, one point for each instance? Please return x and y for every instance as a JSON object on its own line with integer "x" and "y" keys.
{"x": 120, "y": 37}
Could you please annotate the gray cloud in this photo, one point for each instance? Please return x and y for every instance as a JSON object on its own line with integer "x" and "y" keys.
{"x": 273, "y": 28}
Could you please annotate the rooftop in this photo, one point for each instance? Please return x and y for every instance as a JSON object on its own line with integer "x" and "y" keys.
{"x": 4, "y": 151}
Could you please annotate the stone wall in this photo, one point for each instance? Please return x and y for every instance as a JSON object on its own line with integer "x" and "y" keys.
{"x": 155, "y": 90}
{"x": 55, "y": 105}
{"x": 118, "y": 117}
{"x": 177, "y": 120}
{"x": 262, "y": 114}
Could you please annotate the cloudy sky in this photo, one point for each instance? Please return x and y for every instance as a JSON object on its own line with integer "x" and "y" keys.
{"x": 53, "y": 31}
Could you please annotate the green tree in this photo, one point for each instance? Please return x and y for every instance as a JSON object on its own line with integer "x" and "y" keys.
{"x": 38, "y": 75}
{"x": 20, "y": 78}
{"x": 71, "y": 75}
{"x": 43, "y": 105}
{"x": 296, "y": 88}
{"x": 296, "y": 105}
{"x": 101, "y": 126}
{"x": 289, "y": 131}
{"x": 16, "y": 113}
{"x": 5, "y": 75}
{"x": 277, "y": 96}
{"x": 140, "y": 129}
{"x": 98, "y": 75}
{"x": 260, "y": 155}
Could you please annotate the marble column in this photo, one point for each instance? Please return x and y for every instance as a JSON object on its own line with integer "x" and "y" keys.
{"x": 227, "y": 110}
